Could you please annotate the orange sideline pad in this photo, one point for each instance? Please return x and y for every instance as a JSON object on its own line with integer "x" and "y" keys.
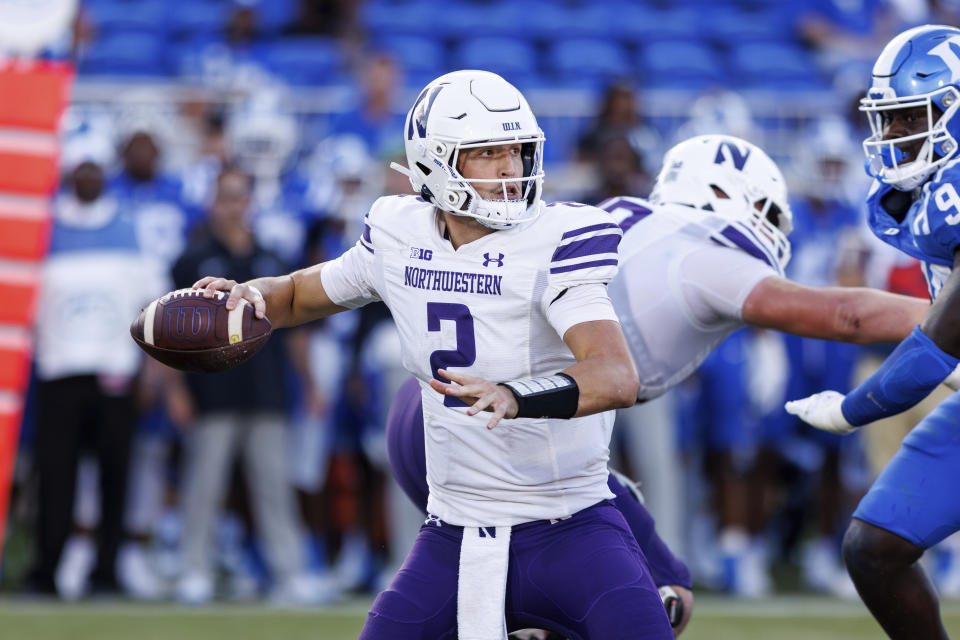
{"x": 33, "y": 96}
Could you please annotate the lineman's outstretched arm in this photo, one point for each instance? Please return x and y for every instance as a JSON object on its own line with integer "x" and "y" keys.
{"x": 926, "y": 358}
{"x": 286, "y": 300}
{"x": 848, "y": 314}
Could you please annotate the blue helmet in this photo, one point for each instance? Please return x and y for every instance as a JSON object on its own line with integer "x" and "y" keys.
{"x": 918, "y": 68}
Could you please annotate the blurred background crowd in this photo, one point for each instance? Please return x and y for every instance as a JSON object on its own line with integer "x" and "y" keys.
{"x": 248, "y": 138}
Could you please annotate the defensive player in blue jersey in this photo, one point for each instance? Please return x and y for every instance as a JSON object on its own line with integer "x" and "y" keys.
{"x": 914, "y": 206}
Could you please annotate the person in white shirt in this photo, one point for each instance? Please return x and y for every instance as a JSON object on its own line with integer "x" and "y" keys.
{"x": 502, "y": 309}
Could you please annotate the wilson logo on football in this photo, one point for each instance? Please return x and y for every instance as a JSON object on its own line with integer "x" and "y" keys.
{"x": 188, "y": 324}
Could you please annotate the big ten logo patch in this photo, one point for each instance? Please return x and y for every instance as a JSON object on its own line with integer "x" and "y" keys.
{"x": 421, "y": 254}
{"x": 188, "y": 324}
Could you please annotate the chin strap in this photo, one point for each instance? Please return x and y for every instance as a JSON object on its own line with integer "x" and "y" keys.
{"x": 402, "y": 169}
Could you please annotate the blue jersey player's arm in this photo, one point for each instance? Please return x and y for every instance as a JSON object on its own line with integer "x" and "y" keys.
{"x": 926, "y": 358}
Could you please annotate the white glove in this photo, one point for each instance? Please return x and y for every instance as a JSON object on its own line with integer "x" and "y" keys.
{"x": 822, "y": 410}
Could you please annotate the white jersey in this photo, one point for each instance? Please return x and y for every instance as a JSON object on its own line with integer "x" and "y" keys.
{"x": 684, "y": 276}
{"x": 495, "y": 308}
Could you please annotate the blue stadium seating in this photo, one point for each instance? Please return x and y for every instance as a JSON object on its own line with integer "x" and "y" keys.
{"x": 641, "y": 25}
{"x": 302, "y": 61}
{"x": 117, "y": 17}
{"x": 679, "y": 64}
{"x": 384, "y": 19}
{"x": 774, "y": 66}
{"x": 729, "y": 26}
{"x": 193, "y": 19}
{"x": 587, "y": 58}
{"x": 417, "y": 55}
{"x": 506, "y": 56}
{"x": 132, "y": 53}
{"x": 550, "y": 22}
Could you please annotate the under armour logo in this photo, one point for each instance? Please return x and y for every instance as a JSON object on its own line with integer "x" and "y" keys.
{"x": 487, "y": 260}
{"x": 434, "y": 520}
{"x": 488, "y": 532}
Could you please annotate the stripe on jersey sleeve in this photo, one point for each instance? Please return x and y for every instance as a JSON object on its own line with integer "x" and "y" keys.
{"x": 587, "y": 247}
{"x": 365, "y": 240}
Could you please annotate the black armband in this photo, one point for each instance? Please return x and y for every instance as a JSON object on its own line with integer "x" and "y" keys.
{"x": 556, "y": 396}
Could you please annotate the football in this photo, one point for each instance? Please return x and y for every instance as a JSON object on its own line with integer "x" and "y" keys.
{"x": 187, "y": 331}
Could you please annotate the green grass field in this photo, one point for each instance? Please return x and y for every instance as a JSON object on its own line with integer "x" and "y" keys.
{"x": 715, "y": 618}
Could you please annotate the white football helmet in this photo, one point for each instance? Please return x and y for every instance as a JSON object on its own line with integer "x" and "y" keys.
{"x": 918, "y": 68}
{"x": 733, "y": 179}
{"x": 463, "y": 110}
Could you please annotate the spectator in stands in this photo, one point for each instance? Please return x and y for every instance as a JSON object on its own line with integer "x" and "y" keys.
{"x": 242, "y": 29}
{"x": 620, "y": 116}
{"x": 240, "y": 408}
{"x": 374, "y": 118}
{"x": 619, "y": 169}
{"x": 86, "y": 365}
{"x": 152, "y": 197}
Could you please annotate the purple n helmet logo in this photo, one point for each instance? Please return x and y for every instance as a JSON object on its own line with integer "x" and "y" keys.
{"x": 738, "y": 157}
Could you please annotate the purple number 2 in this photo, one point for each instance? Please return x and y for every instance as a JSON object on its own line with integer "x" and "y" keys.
{"x": 466, "y": 352}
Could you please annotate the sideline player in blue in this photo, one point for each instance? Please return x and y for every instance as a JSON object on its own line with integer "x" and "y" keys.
{"x": 914, "y": 206}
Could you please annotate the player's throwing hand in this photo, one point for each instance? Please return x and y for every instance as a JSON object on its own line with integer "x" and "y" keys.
{"x": 481, "y": 394}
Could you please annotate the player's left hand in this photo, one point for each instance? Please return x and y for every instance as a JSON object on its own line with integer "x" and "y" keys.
{"x": 683, "y": 612}
{"x": 480, "y": 394}
{"x": 822, "y": 410}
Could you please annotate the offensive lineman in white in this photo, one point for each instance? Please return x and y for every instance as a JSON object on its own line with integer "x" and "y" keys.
{"x": 705, "y": 256}
{"x": 489, "y": 285}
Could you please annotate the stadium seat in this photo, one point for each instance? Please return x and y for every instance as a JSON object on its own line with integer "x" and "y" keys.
{"x": 731, "y": 26}
{"x": 496, "y": 18}
{"x": 127, "y": 54}
{"x": 679, "y": 63}
{"x": 510, "y": 57}
{"x": 554, "y": 21}
{"x": 274, "y": 15}
{"x": 418, "y": 56}
{"x": 124, "y": 17}
{"x": 641, "y": 24}
{"x": 773, "y": 66}
{"x": 588, "y": 59}
{"x": 390, "y": 19}
{"x": 192, "y": 19}
{"x": 302, "y": 61}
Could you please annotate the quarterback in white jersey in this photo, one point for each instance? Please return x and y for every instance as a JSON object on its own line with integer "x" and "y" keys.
{"x": 705, "y": 256}
{"x": 501, "y": 304}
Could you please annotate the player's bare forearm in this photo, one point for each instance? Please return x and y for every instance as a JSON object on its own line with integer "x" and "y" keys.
{"x": 848, "y": 314}
{"x": 287, "y": 300}
{"x": 604, "y": 371}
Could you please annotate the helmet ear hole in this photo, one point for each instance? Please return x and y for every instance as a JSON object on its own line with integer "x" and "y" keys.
{"x": 424, "y": 168}
{"x": 720, "y": 193}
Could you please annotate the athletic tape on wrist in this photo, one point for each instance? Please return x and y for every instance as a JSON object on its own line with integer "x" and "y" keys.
{"x": 555, "y": 396}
